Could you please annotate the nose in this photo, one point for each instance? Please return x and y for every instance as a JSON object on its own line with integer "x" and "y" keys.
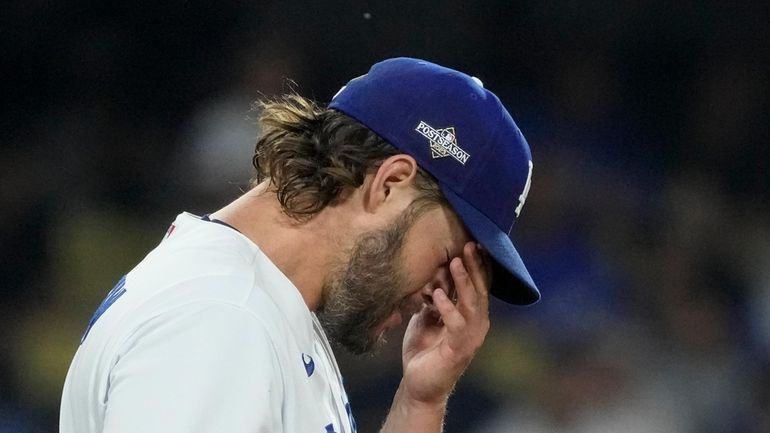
{"x": 442, "y": 280}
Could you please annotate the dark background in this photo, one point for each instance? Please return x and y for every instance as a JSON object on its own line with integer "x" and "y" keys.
{"x": 647, "y": 226}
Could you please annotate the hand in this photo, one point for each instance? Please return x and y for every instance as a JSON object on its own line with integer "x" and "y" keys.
{"x": 442, "y": 339}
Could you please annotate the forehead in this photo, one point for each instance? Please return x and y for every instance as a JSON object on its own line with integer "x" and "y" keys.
{"x": 438, "y": 230}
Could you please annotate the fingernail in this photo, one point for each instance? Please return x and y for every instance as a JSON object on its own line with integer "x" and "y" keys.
{"x": 452, "y": 264}
{"x": 461, "y": 266}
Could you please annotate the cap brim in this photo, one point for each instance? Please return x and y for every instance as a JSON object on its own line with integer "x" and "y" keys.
{"x": 511, "y": 281}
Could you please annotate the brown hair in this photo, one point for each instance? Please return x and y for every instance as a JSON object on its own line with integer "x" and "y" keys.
{"x": 313, "y": 155}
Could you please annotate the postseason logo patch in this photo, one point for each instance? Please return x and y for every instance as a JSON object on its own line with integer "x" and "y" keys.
{"x": 443, "y": 142}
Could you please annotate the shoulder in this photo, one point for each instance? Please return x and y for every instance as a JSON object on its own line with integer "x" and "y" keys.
{"x": 204, "y": 324}
{"x": 204, "y": 354}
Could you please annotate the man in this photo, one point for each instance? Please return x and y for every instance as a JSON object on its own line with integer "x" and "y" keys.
{"x": 393, "y": 203}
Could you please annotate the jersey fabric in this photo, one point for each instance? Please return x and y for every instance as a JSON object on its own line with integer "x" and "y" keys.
{"x": 204, "y": 335}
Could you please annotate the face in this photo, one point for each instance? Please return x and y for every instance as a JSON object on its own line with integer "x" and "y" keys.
{"x": 389, "y": 274}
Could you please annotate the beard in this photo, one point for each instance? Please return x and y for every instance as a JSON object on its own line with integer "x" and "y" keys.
{"x": 363, "y": 292}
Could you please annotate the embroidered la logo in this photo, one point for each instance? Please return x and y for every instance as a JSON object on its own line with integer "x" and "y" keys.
{"x": 443, "y": 142}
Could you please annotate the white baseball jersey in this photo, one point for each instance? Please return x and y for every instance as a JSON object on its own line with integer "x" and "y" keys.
{"x": 204, "y": 335}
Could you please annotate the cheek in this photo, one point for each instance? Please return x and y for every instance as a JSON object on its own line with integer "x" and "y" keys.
{"x": 430, "y": 267}
{"x": 430, "y": 280}
{"x": 437, "y": 278}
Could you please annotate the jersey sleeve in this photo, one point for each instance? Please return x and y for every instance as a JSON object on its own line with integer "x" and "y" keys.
{"x": 203, "y": 367}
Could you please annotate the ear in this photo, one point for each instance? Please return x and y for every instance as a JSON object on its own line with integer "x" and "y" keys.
{"x": 392, "y": 183}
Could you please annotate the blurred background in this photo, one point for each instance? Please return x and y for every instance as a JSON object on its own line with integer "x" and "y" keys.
{"x": 647, "y": 226}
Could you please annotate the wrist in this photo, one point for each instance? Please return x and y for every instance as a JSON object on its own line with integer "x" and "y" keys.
{"x": 420, "y": 402}
{"x": 410, "y": 414}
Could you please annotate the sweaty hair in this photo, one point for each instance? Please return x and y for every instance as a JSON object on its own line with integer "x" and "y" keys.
{"x": 314, "y": 155}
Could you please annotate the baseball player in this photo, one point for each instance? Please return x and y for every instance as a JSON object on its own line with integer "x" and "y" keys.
{"x": 394, "y": 202}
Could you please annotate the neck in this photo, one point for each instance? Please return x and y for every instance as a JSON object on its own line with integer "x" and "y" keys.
{"x": 304, "y": 251}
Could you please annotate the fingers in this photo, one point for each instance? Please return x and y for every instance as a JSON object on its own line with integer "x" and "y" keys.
{"x": 470, "y": 289}
{"x": 471, "y": 280}
{"x": 450, "y": 315}
{"x": 468, "y": 321}
{"x": 464, "y": 289}
{"x": 476, "y": 269}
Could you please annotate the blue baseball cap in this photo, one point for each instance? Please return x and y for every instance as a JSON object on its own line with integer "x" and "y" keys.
{"x": 460, "y": 133}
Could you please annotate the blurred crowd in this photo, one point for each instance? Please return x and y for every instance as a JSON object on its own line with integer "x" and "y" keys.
{"x": 647, "y": 227}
